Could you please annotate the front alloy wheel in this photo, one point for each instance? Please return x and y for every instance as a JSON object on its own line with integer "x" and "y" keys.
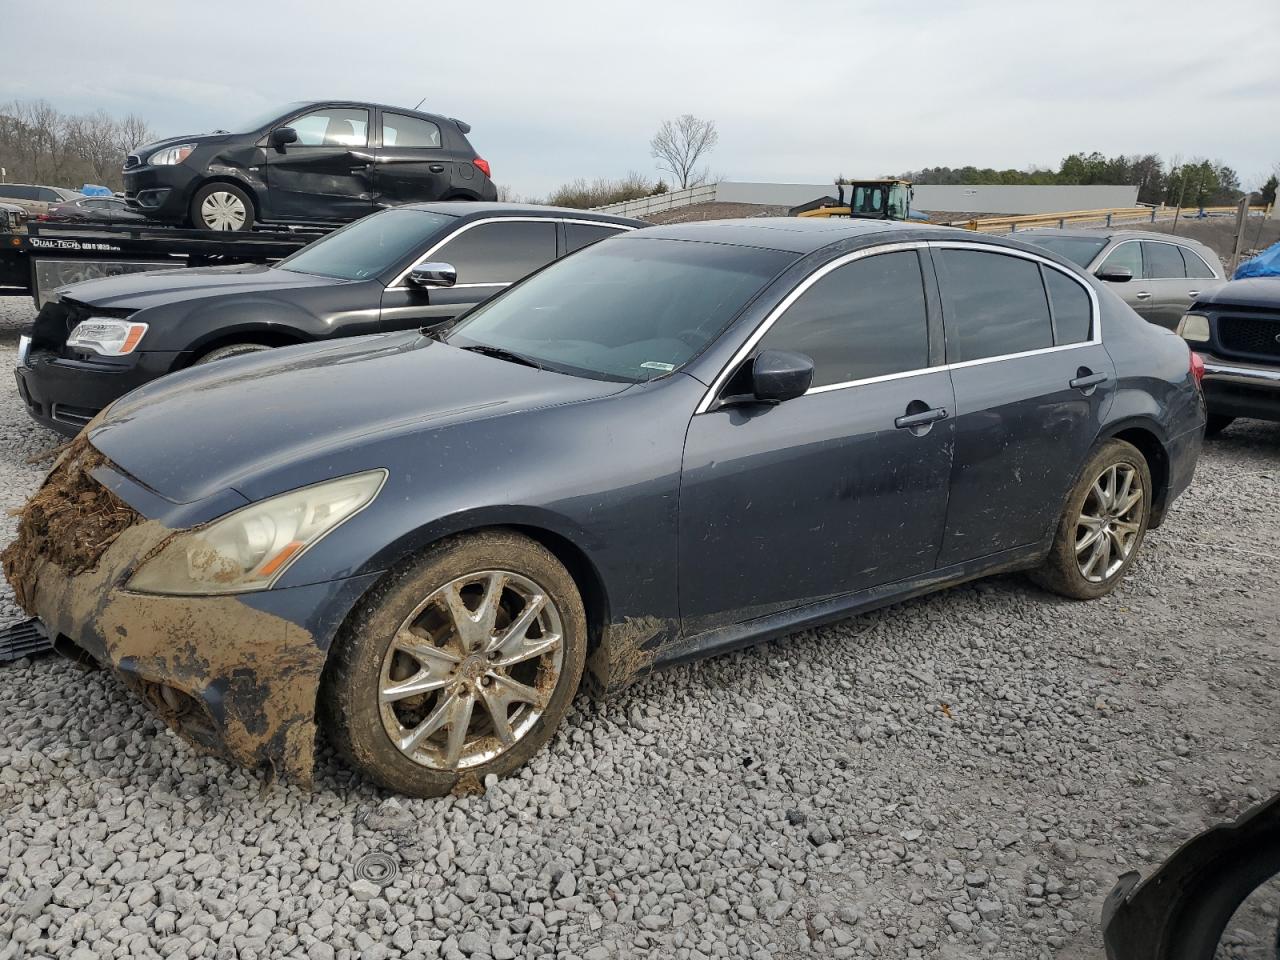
{"x": 459, "y": 664}
{"x": 468, "y": 673}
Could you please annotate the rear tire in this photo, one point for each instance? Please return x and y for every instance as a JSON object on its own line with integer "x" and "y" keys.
{"x": 221, "y": 206}
{"x": 1216, "y": 423}
{"x": 231, "y": 350}
{"x": 459, "y": 665}
{"x": 1102, "y": 526}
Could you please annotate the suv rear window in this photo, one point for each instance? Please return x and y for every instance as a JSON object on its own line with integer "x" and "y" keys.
{"x": 1163, "y": 261}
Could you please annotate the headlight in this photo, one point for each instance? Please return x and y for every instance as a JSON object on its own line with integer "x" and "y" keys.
{"x": 171, "y": 155}
{"x": 1194, "y": 327}
{"x": 110, "y": 338}
{"x": 251, "y": 548}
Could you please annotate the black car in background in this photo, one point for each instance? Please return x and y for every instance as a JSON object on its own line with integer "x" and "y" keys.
{"x": 413, "y": 266}
{"x": 1236, "y": 330}
{"x": 321, "y": 161}
{"x": 676, "y": 442}
{"x": 92, "y": 209}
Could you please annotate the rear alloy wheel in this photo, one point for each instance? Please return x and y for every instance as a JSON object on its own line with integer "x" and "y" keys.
{"x": 458, "y": 667}
{"x": 221, "y": 206}
{"x": 1103, "y": 525}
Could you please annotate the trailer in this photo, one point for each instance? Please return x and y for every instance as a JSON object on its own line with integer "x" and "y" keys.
{"x": 36, "y": 257}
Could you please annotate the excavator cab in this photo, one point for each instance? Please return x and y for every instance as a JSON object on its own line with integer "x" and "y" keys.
{"x": 866, "y": 199}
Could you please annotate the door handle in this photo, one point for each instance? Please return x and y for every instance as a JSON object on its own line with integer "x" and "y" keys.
{"x": 1086, "y": 380}
{"x": 1142, "y": 295}
{"x": 909, "y": 421}
{"x": 1193, "y": 293}
{"x": 436, "y": 168}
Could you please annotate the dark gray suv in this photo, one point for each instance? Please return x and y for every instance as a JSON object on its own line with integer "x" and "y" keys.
{"x": 318, "y": 162}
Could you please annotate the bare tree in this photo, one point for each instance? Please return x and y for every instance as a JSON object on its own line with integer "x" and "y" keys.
{"x": 133, "y": 132}
{"x": 680, "y": 145}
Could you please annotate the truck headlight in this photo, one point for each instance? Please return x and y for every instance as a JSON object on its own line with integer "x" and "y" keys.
{"x": 110, "y": 338}
{"x": 1194, "y": 327}
{"x": 171, "y": 155}
{"x": 249, "y": 549}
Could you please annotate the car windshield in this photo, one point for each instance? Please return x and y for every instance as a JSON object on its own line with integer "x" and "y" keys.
{"x": 1079, "y": 250}
{"x": 256, "y": 123}
{"x": 369, "y": 246}
{"x": 623, "y": 309}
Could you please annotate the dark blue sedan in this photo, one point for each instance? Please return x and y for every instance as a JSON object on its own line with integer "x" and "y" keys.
{"x": 673, "y": 443}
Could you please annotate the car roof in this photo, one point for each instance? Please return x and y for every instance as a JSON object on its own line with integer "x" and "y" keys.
{"x": 476, "y": 209}
{"x": 803, "y": 235}
{"x": 1110, "y": 234}
{"x": 407, "y": 111}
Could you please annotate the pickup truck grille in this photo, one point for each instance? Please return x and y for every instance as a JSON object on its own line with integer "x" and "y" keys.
{"x": 1251, "y": 336}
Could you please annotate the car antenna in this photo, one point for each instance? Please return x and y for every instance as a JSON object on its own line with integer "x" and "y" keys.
{"x": 419, "y": 103}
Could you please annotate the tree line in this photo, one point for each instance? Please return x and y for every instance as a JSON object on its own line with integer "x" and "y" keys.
{"x": 41, "y": 144}
{"x": 1198, "y": 182}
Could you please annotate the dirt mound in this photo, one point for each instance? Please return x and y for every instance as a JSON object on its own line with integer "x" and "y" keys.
{"x": 70, "y": 521}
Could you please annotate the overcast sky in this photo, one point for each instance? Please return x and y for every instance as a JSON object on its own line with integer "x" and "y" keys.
{"x": 800, "y": 90}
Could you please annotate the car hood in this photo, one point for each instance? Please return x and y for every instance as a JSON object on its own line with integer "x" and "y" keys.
{"x": 254, "y": 423}
{"x": 147, "y": 149}
{"x": 138, "y": 291}
{"x": 1253, "y": 292}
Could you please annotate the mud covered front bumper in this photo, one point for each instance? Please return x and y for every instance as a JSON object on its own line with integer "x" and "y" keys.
{"x": 235, "y": 675}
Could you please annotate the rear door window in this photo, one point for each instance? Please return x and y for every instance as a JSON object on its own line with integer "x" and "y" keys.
{"x": 579, "y": 235}
{"x": 993, "y": 305}
{"x": 401, "y": 131}
{"x": 1163, "y": 261}
{"x": 500, "y": 252}
{"x": 1072, "y": 308}
{"x": 333, "y": 127}
{"x": 1127, "y": 256}
{"x": 864, "y": 319}
{"x": 1195, "y": 266}
{"x": 18, "y": 192}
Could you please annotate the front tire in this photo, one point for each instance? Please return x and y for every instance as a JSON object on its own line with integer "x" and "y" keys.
{"x": 231, "y": 350}
{"x": 221, "y": 206}
{"x": 1103, "y": 525}
{"x": 459, "y": 665}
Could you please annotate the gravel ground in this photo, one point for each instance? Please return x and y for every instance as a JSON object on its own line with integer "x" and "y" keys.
{"x": 963, "y": 775}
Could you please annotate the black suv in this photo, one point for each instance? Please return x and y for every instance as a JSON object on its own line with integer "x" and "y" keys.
{"x": 318, "y": 162}
{"x": 419, "y": 265}
{"x": 1236, "y": 330}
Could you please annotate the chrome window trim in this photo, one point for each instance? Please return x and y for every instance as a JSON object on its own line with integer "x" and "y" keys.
{"x": 1102, "y": 258}
{"x": 1095, "y": 324}
{"x": 398, "y": 282}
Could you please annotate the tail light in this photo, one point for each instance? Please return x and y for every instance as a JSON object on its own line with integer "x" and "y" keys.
{"x": 1197, "y": 368}
{"x": 482, "y": 165}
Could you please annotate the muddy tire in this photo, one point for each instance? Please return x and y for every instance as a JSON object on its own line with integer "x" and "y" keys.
{"x": 231, "y": 350}
{"x": 456, "y": 666}
{"x": 1103, "y": 525}
{"x": 1216, "y": 423}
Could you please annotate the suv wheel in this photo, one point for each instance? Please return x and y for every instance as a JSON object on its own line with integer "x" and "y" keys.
{"x": 221, "y": 206}
{"x": 1103, "y": 525}
{"x": 458, "y": 666}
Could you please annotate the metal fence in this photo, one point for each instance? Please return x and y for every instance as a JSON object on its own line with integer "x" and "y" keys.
{"x": 1114, "y": 216}
{"x": 705, "y": 193}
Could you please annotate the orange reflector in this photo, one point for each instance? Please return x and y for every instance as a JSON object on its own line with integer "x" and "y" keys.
{"x": 135, "y": 334}
{"x": 279, "y": 560}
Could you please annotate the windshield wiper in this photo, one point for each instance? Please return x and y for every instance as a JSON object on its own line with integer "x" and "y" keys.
{"x": 503, "y": 354}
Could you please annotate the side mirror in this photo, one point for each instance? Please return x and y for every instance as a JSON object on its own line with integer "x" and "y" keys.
{"x": 283, "y": 135}
{"x": 1114, "y": 274}
{"x": 433, "y": 275}
{"x": 778, "y": 375}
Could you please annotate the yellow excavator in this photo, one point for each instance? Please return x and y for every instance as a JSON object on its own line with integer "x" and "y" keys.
{"x": 886, "y": 199}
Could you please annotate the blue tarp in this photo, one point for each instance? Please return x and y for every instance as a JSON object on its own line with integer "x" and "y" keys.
{"x": 1265, "y": 264}
{"x": 93, "y": 190}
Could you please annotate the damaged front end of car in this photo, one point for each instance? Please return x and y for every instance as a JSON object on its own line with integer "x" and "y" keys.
{"x": 234, "y": 672}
